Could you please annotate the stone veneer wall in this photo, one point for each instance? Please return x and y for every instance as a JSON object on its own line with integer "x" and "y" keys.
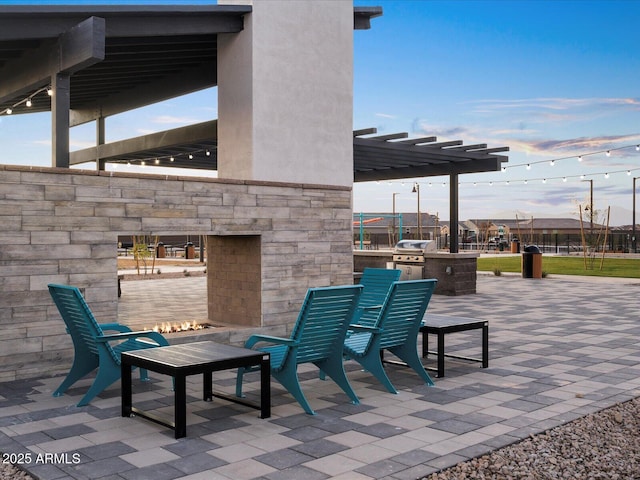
{"x": 61, "y": 226}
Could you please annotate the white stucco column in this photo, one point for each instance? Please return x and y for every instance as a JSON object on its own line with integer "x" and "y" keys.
{"x": 285, "y": 88}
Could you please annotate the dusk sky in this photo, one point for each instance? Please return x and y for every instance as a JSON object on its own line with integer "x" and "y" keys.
{"x": 552, "y": 80}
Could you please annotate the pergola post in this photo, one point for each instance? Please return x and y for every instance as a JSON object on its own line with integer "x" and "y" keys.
{"x": 453, "y": 213}
{"x": 100, "y": 139}
{"x": 60, "y": 108}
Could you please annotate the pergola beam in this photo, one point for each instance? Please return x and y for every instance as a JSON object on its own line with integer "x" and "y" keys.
{"x": 81, "y": 46}
{"x": 190, "y": 134}
{"x": 181, "y": 83}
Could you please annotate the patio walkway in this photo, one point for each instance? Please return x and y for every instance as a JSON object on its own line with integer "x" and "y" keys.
{"x": 560, "y": 348}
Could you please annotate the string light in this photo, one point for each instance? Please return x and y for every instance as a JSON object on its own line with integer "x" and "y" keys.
{"x": 579, "y": 157}
{"x": 27, "y": 101}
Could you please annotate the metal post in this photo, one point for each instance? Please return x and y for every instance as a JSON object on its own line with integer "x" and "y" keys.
{"x": 100, "y": 140}
{"x": 453, "y": 213}
{"x": 633, "y": 225}
{"x": 394, "y": 218}
{"x": 416, "y": 189}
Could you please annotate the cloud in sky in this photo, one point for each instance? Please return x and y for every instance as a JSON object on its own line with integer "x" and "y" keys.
{"x": 385, "y": 115}
{"x": 556, "y": 104}
{"x": 579, "y": 145}
{"x": 173, "y": 120}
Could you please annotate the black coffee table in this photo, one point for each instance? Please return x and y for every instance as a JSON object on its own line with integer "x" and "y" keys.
{"x": 441, "y": 325}
{"x": 179, "y": 361}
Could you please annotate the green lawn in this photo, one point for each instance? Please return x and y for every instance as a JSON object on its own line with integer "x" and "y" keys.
{"x": 612, "y": 267}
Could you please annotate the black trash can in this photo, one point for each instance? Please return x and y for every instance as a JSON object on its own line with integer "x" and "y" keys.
{"x": 531, "y": 262}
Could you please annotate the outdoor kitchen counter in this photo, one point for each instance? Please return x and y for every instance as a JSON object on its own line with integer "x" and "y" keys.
{"x": 458, "y": 279}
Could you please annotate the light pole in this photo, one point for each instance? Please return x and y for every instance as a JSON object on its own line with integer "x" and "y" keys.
{"x": 394, "y": 218}
{"x": 633, "y": 226}
{"x": 416, "y": 189}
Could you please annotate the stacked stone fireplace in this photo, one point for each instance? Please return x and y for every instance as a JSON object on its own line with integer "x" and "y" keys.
{"x": 267, "y": 243}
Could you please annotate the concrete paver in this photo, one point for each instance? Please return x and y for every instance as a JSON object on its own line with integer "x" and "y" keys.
{"x": 560, "y": 348}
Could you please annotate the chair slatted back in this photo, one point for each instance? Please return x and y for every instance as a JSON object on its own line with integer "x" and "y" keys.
{"x": 404, "y": 310}
{"x": 323, "y": 321}
{"x": 377, "y": 283}
{"x": 79, "y": 319}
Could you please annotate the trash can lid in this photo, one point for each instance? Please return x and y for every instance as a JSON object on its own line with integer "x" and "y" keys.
{"x": 532, "y": 249}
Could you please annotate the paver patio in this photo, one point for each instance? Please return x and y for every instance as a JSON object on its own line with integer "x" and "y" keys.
{"x": 560, "y": 348}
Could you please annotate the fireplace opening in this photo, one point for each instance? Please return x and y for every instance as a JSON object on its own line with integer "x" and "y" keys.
{"x": 175, "y": 327}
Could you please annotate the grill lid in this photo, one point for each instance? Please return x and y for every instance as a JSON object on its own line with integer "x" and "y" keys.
{"x": 415, "y": 246}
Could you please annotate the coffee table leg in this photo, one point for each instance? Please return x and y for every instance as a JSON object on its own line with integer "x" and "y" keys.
{"x": 485, "y": 345}
{"x": 425, "y": 343}
{"x": 207, "y": 386}
{"x": 265, "y": 387}
{"x": 440, "y": 354}
{"x": 180, "y": 401}
{"x": 125, "y": 374}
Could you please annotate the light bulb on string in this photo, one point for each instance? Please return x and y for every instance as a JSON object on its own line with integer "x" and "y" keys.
{"x": 552, "y": 163}
{"x": 637, "y": 148}
{"x": 564, "y": 179}
{"x": 50, "y": 91}
{"x": 581, "y": 177}
{"x": 629, "y": 172}
{"x": 544, "y": 180}
{"x": 28, "y": 102}
{"x": 528, "y": 166}
{"x": 608, "y": 153}
{"x": 9, "y": 111}
{"x": 606, "y": 175}
{"x": 580, "y": 158}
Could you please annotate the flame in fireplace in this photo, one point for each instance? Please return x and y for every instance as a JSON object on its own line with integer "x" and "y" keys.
{"x": 168, "y": 327}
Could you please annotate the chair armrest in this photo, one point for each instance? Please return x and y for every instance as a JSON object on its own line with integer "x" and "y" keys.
{"x": 118, "y": 327}
{"x": 372, "y": 307}
{"x": 253, "y": 339}
{"x": 155, "y": 336}
{"x": 365, "y": 328}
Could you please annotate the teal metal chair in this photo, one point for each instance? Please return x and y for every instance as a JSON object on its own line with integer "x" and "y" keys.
{"x": 317, "y": 337}
{"x": 92, "y": 347}
{"x": 395, "y": 329}
{"x": 376, "y": 283}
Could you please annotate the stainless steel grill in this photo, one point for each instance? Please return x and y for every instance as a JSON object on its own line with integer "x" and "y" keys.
{"x": 413, "y": 251}
{"x": 409, "y": 257}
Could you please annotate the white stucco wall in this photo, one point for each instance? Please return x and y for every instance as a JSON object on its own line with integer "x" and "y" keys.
{"x": 285, "y": 86}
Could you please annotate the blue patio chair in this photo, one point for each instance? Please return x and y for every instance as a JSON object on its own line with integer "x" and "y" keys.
{"x": 396, "y": 330}
{"x": 317, "y": 337}
{"x": 91, "y": 345}
{"x": 376, "y": 283}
